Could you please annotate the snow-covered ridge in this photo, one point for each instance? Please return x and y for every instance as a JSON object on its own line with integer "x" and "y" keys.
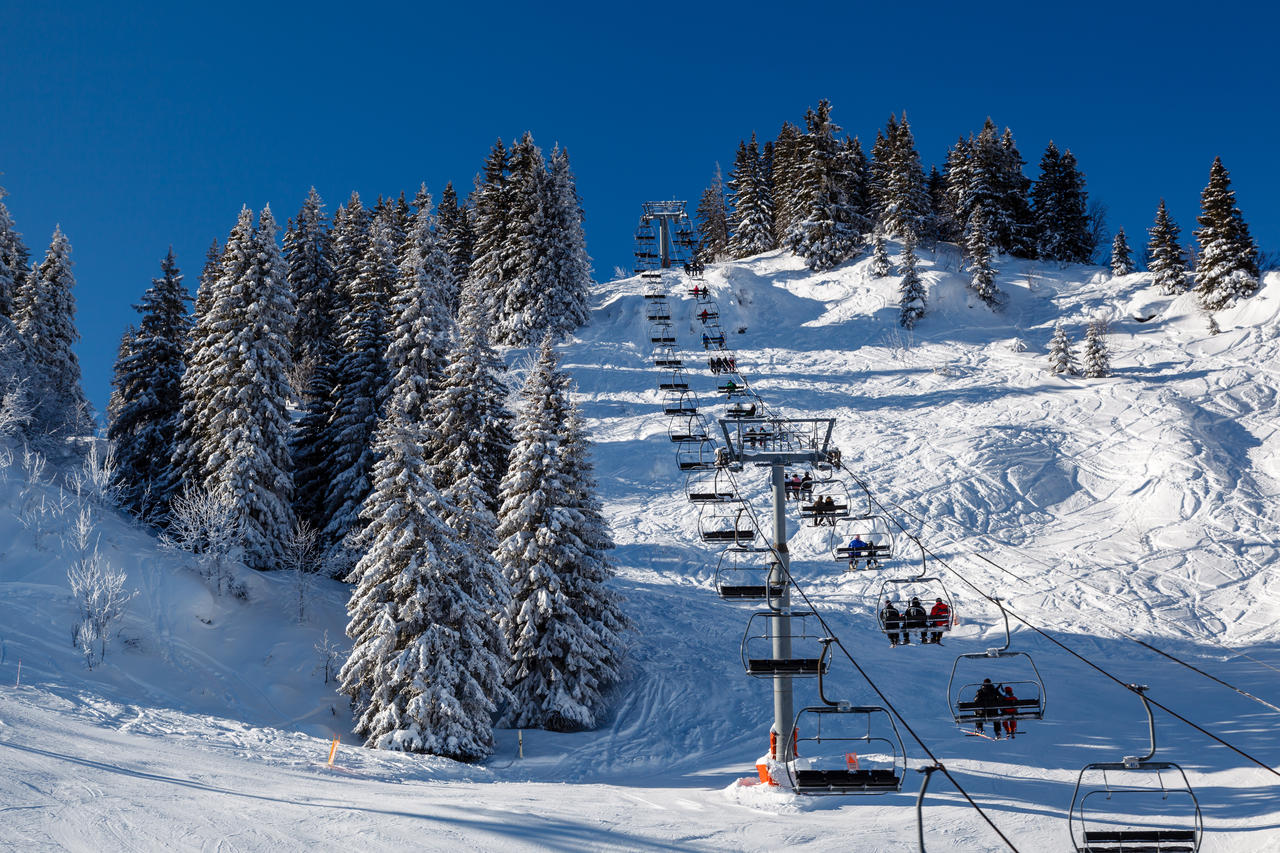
{"x": 1142, "y": 503}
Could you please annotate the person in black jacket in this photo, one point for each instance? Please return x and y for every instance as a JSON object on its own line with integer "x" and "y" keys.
{"x": 914, "y": 619}
{"x": 989, "y": 706}
{"x": 892, "y": 621}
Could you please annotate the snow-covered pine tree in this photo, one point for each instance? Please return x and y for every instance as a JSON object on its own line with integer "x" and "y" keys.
{"x": 425, "y": 672}
{"x": 1014, "y": 189}
{"x": 520, "y": 297}
{"x": 567, "y": 305}
{"x": 1167, "y": 263}
{"x": 1121, "y": 255}
{"x": 912, "y": 303}
{"x": 977, "y": 250}
{"x": 360, "y": 380}
{"x": 1227, "y": 263}
{"x": 823, "y": 232}
{"x": 247, "y": 449}
{"x": 853, "y": 177}
{"x": 1062, "y": 357}
{"x": 904, "y": 198}
{"x": 599, "y": 607}
{"x": 455, "y": 230}
{"x": 45, "y": 314}
{"x": 942, "y": 225}
{"x": 309, "y": 257}
{"x": 1062, "y": 218}
{"x": 784, "y": 178}
{"x": 472, "y": 439}
{"x": 555, "y": 675}
{"x": 14, "y": 260}
{"x": 425, "y": 272}
{"x": 1097, "y": 361}
{"x": 185, "y": 470}
{"x": 147, "y": 401}
{"x": 492, "y": 263}
{"x": 751, "y": 223}
{"x": 880, "y": 263}
{"x": 713, "y": 220}
{"x": 986, "y": 171}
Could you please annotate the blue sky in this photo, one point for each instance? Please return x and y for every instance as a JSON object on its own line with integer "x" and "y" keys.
{"x": 137, "y": 126}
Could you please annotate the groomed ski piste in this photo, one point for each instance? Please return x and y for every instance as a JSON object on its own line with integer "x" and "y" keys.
{"x": 1103, "y": 511}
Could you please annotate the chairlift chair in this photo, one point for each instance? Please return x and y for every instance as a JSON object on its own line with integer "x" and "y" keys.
{"x": 825, "y": 765}
{"x": 1163, "y": 811}
{"x": 680, "y": 403}
{"x": 902, "y": 590}
{"x": 814, "y": 505}
{"x": 876, "y": 537}
{"x": 708, "y": 312}
{"x": 741, "y": 409}
{"x": 1027, "y": 685}
{"x": 684, "y": 428}
{"x": 726, "y": 524}
{"x": 667, "y": 356}
{"x": 675, "y": 381}
{"x": 748, "y": 574}
{"x": 658, "y": 312}
{"x": 696, "y": 455}
{"x": 802, "y": 628}
{"x": 732, "y": 389}
{"x": 714, "y": 486}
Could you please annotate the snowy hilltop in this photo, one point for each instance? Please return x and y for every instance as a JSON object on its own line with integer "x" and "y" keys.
{"x": 1130, "y": 518}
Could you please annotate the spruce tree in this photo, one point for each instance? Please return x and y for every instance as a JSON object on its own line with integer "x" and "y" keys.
{"x": 309, "y": 257}
{"x": 1062, "y": 358}
{"x": 823, "y": 232}
{"x": 904, "y": 198}
{"x": 1227, "y": 263}
{"x": 1121, "y": 256}
{"x": 880, "y": 264}
{"x": 425, "y": 272}
{"x": 751, "y": 224}
{"x": 146, "y": 404}
{"x": 784, "y": 178}
{"x": 567, "y": 302}
{"x": 1097, "y": 361}
{"x": 559, "y": 663}
{"x": 493, "y": 204}
{"x": 14, "y": 260}
{"x": 982, "y": 276}
{"x": 45, "y": 314}
{"x": 912, "y": 303}
{"x": 853, "y": 176}
{"x": 360, "y": 380}
{"x": 713, "y": 219}
{"x": 456, "y": 233}
{"x": 1167, "y": 263}
{"x": 1062, "y": 220}
{"x": 986, "y": 172}
{"x": 425, "y": 672}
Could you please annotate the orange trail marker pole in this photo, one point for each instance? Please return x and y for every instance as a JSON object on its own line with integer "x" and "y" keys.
{"x": 333, "y": 750}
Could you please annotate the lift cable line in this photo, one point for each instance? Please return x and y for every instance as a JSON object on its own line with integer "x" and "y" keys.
{"x": 1085, "y": 660}
{"x": 835, "y": 637}
{"x": 1113, "y": 630}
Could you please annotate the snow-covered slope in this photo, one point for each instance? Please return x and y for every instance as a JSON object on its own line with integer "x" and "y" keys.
{"x": 1141, "y": 505}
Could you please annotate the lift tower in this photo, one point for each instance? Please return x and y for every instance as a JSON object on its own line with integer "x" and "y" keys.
{"x": 664, "y": 236}
{"x": 775, "y": 443}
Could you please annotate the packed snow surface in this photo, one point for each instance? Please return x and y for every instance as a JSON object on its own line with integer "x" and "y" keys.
{"x": 1141, "y": 506}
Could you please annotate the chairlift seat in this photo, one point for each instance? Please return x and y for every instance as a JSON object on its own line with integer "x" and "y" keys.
{"x": 697, "y": 465}
{"x": 1139, "y": 841}
{"x": 812, "y": 510}
{"x": 740, "y": 410}
{"x": 680, "y": 410}
{"x": 668, "y": 362}
{"x": 870, "y": 552}
{"x": 728, "y": 535}
{"x": 972, "y": 712}
{"x": 673, "y": 386}
{"x": 749, "y": 592}
{"x": 662, "y": 339}
{"x": 845, "y": 781}
{"x": 780, "y": 667}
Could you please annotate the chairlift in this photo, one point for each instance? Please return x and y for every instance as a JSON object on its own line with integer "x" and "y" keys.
{"x": 861, "y": 541}
{"x": 709, "y": 312}
{"x": 732, "y": 390}
{"x": 847, "y": 748}
{"x": 1162, "y": 812}
{"x": 749, "y": 574}
{"x": 667, "y": 356}
{"x": 1027, "y": 684}
{"x": 824, "y": 501}
{"x": 680, "y": 403}
{"x": 713, "y": 340}
{"x": 658, "y": 312}
{"x": 919, "y": 586}
{"x": 685, "y": 428}
{"x": 726, "y": 524}
{"x": 740, "y": 409}
{"x": 696, "y": 455}
{"x": 676, "y": 381}
{"x": 714, "y": 486}
{"x": 801, "y": 630}
{"x": 645, "y": 233}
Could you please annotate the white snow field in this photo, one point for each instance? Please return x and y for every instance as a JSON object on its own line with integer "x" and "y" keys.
{"x": 1140, "y": 506}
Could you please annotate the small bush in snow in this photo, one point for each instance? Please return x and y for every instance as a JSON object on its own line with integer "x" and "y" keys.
{"x": 205, "y": 523}
{"x": 98, "y": 588}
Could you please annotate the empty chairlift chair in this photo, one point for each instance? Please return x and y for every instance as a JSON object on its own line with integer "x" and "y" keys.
{"x": 706, "y": 487}
{"x": 749, "y": 574}
{"x": 842, "y": 748}
{"x": 696, "y": 455}
{"x": 666, "y": 356}
{"x": 1005, "y": 669}
{"x": 680, "y": 403}
{"x": 1135, "y": 804}
{"x": 676, "y": 380}
{"x": 801, "y": 630}
{"x": 687, "y": 427}
{"x": 726, "y": 524}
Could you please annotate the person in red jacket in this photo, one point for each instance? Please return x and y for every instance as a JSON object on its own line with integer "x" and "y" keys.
{"x": 1011, "y": 712}
{"x": 939, "y": 620}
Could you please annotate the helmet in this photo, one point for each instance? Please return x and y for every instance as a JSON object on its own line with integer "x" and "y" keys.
{"x": 986, "y": 681}
{"x": 938, "y": 601}
{"x": 1009, "y": 690}
{"x": 915, "y": 601}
